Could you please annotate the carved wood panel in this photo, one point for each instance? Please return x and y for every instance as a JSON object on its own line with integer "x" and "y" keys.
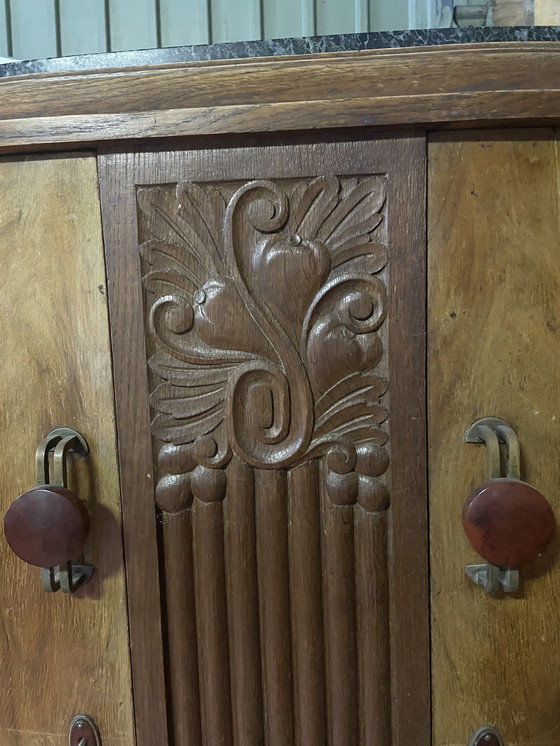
{"x": 265, "y": 317}
{"x": 264, "y": 306}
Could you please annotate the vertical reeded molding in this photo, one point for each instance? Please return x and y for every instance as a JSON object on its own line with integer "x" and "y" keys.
{"x": 243, "y": 604}
{"x": 339, "y": 602}
{"x": 181, "y": 628}
{"x": 212, "y": 625}
{"x": 372, "y": 617}
{"x": 274, "y": 602}
{"x": 304, "y": 532}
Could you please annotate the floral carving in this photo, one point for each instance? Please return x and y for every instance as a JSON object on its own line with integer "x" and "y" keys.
{"x": 264, "y": 307}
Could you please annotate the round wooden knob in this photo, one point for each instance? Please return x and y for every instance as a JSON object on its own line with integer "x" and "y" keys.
{"x": 508, "y": 522}
{"x": 47, "y": 526}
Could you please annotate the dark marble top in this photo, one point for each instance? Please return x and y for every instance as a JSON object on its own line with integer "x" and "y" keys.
{"x": 278, "y": 47}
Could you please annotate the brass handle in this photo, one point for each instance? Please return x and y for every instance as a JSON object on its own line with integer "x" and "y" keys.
{"x": 506, "y": 520}
{"x": 48, "y": 526}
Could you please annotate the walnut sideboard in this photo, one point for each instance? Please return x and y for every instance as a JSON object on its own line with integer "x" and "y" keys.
{"x": 273, "y": 293}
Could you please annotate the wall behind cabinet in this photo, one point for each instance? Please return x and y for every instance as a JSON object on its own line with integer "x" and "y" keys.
{"x": 49, "y": 28}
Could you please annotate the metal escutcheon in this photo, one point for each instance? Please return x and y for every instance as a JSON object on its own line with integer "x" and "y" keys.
{"x": 83, "y": 732}
{"x": 486, "y": 736}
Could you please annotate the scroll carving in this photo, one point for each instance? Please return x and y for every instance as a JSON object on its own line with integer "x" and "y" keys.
{"x": 265, "y": 301}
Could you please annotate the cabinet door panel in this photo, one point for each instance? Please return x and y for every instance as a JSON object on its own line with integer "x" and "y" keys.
{"x": 494, "y": 304}
{"x": 61, "y": 655}
{"x": 267, "y": 309}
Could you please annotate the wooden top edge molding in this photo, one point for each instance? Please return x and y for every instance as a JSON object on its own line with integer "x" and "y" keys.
{"x": 450, "y": 84}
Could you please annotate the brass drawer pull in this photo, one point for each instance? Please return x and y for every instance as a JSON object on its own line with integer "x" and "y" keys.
{"x": 48, "y": 525}
{"x": 506, "y": 520}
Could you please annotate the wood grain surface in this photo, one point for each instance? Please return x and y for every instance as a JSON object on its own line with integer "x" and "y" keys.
{"x": 299, "y": 559}
{"x": 440, "y": 86}
{"x": 271, "y": 497}
{"x": 304, "y": 537}
{"x": 135, "y": 450}
{"x": 243, "y": 604}
{"x": 61, "y": 655}
{"x": 182, "y": 653}
{"x": 494, "y": 309}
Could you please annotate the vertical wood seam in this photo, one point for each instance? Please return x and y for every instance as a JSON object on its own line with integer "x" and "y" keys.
{"x": 408, "y": 536}
{"x": 117, "y": 433}
{"x": 153, "y": 720}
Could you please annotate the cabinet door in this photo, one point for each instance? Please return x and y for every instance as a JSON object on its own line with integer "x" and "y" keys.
{"x": 267, "y": 310}
{"x": 494, "y": 309}
{"x": 61, "y": 655}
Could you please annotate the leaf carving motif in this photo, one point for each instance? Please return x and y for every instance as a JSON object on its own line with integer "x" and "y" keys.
{"x": 264, "y": 304}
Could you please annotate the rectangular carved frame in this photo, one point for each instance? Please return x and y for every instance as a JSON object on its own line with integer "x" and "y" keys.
{"x": 123, "y": 177}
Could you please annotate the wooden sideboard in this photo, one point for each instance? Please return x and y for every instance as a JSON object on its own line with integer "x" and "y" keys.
{"x": 273, "y": 294}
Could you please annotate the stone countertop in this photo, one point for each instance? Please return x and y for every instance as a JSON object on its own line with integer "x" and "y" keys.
{"x": 279, "y": 47}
